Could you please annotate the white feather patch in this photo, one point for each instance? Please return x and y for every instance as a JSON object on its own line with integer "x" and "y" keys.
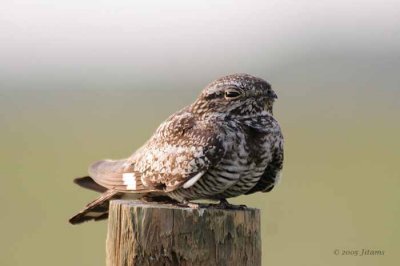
{"x": 129, "y": 180}
{"x": 193, "y": 180}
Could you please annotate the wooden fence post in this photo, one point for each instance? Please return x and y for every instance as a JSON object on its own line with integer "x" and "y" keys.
{"x": 141, "y": 233}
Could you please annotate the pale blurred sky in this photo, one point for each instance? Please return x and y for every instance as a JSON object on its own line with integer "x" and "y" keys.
{"x": 97, "y": 44}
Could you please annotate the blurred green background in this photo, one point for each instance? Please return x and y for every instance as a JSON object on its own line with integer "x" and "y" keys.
{"x": 87, "y": 80}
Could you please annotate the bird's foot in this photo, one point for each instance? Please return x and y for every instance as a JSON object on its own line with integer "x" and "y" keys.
{"x": 224, "y": 204}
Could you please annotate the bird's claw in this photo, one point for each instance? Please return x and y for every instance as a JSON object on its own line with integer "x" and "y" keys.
{"x": 224, "y": 204}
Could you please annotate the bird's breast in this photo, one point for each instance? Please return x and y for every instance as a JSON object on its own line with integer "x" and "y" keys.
{"x": 248, "y": 155}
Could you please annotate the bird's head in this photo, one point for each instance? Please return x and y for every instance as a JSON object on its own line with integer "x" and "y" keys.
{"x": 237, "y": 94}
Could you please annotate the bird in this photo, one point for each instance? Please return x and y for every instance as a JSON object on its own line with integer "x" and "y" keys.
{"x": 225, "y": 144}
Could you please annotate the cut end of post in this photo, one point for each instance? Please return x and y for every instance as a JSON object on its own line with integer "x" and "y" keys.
{"x": 142, "y": 233}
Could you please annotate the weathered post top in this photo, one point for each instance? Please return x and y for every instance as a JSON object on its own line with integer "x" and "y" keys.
{"x": 141, "y": 233}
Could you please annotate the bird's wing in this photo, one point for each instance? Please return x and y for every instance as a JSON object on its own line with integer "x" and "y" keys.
{"x": 178, "y": 154}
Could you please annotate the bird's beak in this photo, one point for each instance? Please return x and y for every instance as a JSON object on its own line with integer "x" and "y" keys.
{"x": 273, "y": 95}
{"x": 270, "y": 94}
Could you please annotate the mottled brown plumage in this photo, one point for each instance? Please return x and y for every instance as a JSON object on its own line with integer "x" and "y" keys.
{"x": 225, "y": 144}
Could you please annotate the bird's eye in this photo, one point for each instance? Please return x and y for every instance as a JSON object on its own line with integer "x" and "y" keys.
{"x": 232, "y": 94}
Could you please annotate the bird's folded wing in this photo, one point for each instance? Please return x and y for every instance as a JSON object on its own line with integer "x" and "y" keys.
{"x": 178, "y": 154}
{"x": 177, "y": 165}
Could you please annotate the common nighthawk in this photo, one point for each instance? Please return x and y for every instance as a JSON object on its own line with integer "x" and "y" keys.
{"x": 227, "y": 143}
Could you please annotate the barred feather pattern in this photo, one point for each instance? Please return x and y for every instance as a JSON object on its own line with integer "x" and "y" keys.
{"x": 227, "y": 143}
{"x": 249, "y": 151}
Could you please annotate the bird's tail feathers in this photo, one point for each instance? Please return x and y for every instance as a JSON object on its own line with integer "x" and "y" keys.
{"x": 97, "y": 209}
